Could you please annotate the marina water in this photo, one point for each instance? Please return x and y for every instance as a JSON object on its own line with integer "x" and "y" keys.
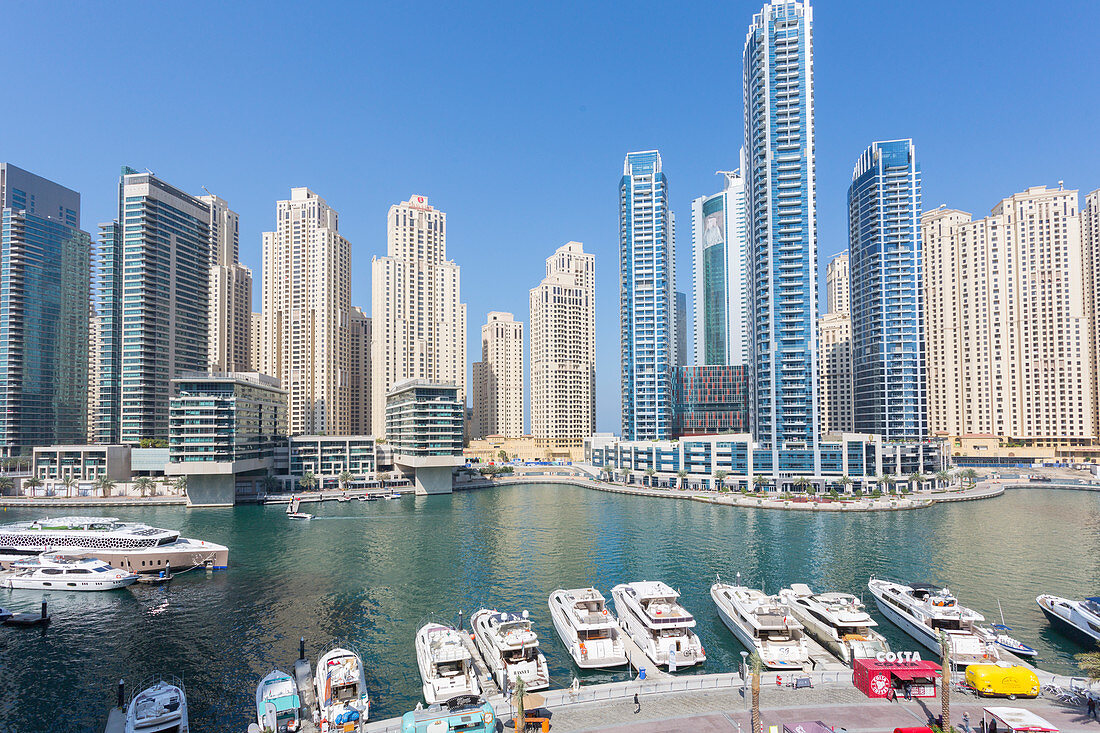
{"x": 372, "y": 572}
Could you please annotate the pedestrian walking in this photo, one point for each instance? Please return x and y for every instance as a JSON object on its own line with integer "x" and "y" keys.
{"x": 637, "y": 702}
{"x": 1092, "y": 707}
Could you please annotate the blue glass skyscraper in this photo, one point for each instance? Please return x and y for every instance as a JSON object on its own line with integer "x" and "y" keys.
{"x": 887, "y": 308}
{"x": 782, "y": 235}
{"x": 647, "y": 292}
{"x": 45, "y": 283}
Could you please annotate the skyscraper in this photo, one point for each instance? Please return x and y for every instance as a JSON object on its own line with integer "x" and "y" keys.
{"x": 45, "y": 290}
{"x": 782, "y": 239}
{"x": 834, "y": 352}
{"x": 498, "y": 378}
{"x": 887, "y": 308}
{"x": 681, "y": 330}
{"x": 720, "y": 275}
{"x": 154, "y": 294}
{"x": 230, "y": 292}
{"x": 1009, "y": 342}
{"x": 418, "y": 322}
{"x": 359, "y": 381}
{"x": 563, "y": 348}
{"x": 306, "y": 303}
{"x": 1090, "y": 241}
{"x": 647, "y": 305}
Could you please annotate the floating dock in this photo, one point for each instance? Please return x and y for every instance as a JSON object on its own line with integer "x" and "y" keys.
{"x": 28, "y": 619}
{"x": 303, "y": 680}
{"x": 638, "y": 659}
{"x": 488, "y": 682}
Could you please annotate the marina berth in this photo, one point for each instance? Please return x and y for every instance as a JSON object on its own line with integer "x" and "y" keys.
{"x": 277, "y": 703}
{"x": 588, "y": 630}
{"x": 510, "y": 647}
{"x": 837, "y": 621}
{"x": 58, "y": 571}
{"x": 129, "y": 546}
{"x": 292, "y": 510}
{"x": 922, "y": 611}
{"x": 159, "y": 708}
{"x": 651, "y": 615}
{"x": 1082, "y": 618}
{"x": 446, "y": 664}
{"x": 340, "y": 683}
{"x": 762, "y": 623}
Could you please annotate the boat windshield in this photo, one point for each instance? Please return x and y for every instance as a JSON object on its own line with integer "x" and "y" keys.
{"x": 947, "y": 624}
{"x": 589, "y": 634}
{"x": 517, "y": 656}
{"x": 1092, "y": 605}
{"x": 449, "y": 669}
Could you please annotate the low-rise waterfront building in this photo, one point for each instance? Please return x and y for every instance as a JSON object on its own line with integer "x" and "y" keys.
{"x": 526, "y": 448}
{"x": 326, "y": 457}
{"x": 81, "y": 462}
{"x": 425, "y": 424}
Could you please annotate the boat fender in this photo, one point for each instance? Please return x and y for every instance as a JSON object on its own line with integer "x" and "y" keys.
{"x": 118, "y": 577}
{"x": 702, "y": 651}
{"x": 605, "y": 612}
{"x": 779, "y": 680}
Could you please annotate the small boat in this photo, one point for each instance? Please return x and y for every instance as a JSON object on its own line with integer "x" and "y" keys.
{"x": 392, "y": 495}
{"x": 511, "y": 648}
{"x": 277, "y": 703}
{"x": 292, "y": 510}
{"x": 588, "y": 630}
{"x": 1080, "y": 617}
{"x": 362, "y": 497}
{"x": 341, "y": 686}
{"x": 651, "y": 615}
{"x": 998, "y": 634}
{"x": 922, "y": 611}
{"x": 57, "y": 571}
{"x": 160, "y": 708}
{"x": 5, "y": 614}
{"x": 343, "y": 499}
{"x": 762, "y": 623}
{"x": 446, "y": 664}
{"x": 837, "y": 621}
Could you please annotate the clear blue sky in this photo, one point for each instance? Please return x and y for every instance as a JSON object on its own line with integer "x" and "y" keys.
{"x": 514, "y": 117}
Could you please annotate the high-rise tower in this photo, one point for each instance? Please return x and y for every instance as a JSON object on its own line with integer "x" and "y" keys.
{"x": 230, "y": 292}
{"x": 498, "y": 378}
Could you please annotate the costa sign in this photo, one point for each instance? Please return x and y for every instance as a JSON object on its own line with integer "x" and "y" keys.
{"x": 906, "y": 657}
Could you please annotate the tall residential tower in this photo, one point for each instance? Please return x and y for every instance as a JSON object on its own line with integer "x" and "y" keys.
{"x": 834, "y": 352}
{"x": 498, "y": 378}
{"x": 230, "y": 292}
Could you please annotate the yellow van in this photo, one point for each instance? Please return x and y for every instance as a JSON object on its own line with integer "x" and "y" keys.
{"x": 1002, "y": 680}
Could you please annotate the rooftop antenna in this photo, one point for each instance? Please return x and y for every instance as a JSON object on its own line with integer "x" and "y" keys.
{"x": 1061, "y": 185}
{"x": 730, "y": 175}
{"x": 204, "y": 188}
{"x": 150, "y": 172}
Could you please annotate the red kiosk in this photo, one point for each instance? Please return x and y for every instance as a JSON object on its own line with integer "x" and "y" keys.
{"x": 879, "y": 678}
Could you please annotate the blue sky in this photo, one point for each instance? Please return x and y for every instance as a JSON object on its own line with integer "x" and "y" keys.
{"x": 514, "y": 117}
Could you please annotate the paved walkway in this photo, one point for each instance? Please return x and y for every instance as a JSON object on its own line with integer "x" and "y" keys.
{"x": 92, "y": 501}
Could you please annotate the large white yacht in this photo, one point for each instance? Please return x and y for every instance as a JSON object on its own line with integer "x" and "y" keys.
{"x": 130, "y": 546}
{"x": 588, "y": 630}
{"x": 446, "y": 664}
{"x": 762, "y": 623}
{"x": 159, "y": 708}
{"x": 57, "y": 571}
{"x": 837, "y": 621}
{"x": 340, "y": 683}
{"x": 651, "y": 615}
{"x": 923, "y": 610}
{"x": 1082, "y": 617}
{"x": 511, "y": 648}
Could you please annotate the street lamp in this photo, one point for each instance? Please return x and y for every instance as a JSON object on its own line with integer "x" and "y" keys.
{"x": 744, "y": 672}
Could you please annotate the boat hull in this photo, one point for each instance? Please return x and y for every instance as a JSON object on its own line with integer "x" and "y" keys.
{"x": 1068, "y": 624}
{"x": 67, "y": 585}
{"x": 925, "y": 636}
{"x": 568, "y": 637}
{"x": 434, "y": 690}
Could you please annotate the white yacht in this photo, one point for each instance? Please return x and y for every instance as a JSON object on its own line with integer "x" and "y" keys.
{"x": 588, "y": 630}
{"x": 511, "y": 648}
{"x": 923, "y": 610}
{"x": 278, "y": 707}
{"x": 57, "y": 571}
{"x": 651, "y": 615}
{"x": 837, "y": 621}
{"x": 292, "y": 510}
{"x": 762, "y": 623}
{"x": 341, "y": 686}
{"x": 131, "y": 546}
{"x": 446, "y": 664}
{"x": 1082, "y": 617}
{"x": 160, "y": 708}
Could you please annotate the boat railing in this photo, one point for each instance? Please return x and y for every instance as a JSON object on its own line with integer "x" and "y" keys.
{"x": 151, "y": 680}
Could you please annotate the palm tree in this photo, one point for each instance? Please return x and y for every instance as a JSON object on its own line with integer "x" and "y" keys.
{"x": 520, "y": 722}
{"x": 502, "y": 455}
{"x": 846, "y": 482}
{"x": 680, "y": 476}
{"x": 945, "y": 685}
{"x": 269, "y": 484}
{"x": 628, "y": 476}
{"x": 754, "y": 663}
{"x": 760, "y": 482}
{"x": 889, "y": 480}
{"x": 6, "y": 484}
{"x": 384, "y": 477}
{"x": 970, "y": 475}
{"x": 69, "y": 483}
{"x": 33, "y": 483}
{"x": 1089, "y": 662}
{"x": 144, "y": 485}
{"x": 308, "y": 481}
{"x": 105, "y": 485}
{"x": 720, "y": 479}
{"x": 343, "y": 479}
{"x": 942, "y": 476}
{"x": 180, "y": 486}
{"x": 802, "y": 483}
{"x": 649, "y": 472}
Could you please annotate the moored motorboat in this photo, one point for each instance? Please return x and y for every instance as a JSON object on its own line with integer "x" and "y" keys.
{"x": 340, "y": 683}
{"x": 651, "y": 615}
{"x": 277, "y": 704}
{"x": 5, "y": 614}
{"x": 59, "y": 571}
{"x": 923, "y": 611}
{"x": 159, "y": 708}
{"x": 837, "y": 621}
{"x": 763, "y": 624}
{"x": 292, "y": 510}
{"x": 510, "y": 647}
{"x": 1080, "y": 617}
{"x": 445, "y": 662}
{"x": 588, "y": 630}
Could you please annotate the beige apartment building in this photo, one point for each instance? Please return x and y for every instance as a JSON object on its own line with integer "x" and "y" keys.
{"x": 835, "y": 378}
{"x": 498, "y": 378}
{"x": 563, "y": 349}
{"x": 1090, "y": 241}
{"x": 230, "y": 302}
{"x": 418, "y": 328}
{"x": 256, "y": 341}
{"x": 306, "y": 304}
{"x": 359, "y": 382}
{"x": 1010, "y": 344}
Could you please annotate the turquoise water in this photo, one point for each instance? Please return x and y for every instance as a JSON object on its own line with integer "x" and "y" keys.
{"x": 373, "y": 572}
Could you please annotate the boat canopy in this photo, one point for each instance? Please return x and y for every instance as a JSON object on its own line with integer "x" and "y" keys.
{"x": 1019, "y": 719}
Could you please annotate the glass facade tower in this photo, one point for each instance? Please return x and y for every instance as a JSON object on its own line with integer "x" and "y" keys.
{"x": 887, "y": 309}
{"x": 647, "y": 298}
{"x": 45, "y": 291}
{"x": 782, "y": 234}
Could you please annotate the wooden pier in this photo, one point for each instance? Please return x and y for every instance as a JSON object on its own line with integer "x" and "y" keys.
{"x": 489, "y": 685}
{"x": 638, "y": 659}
